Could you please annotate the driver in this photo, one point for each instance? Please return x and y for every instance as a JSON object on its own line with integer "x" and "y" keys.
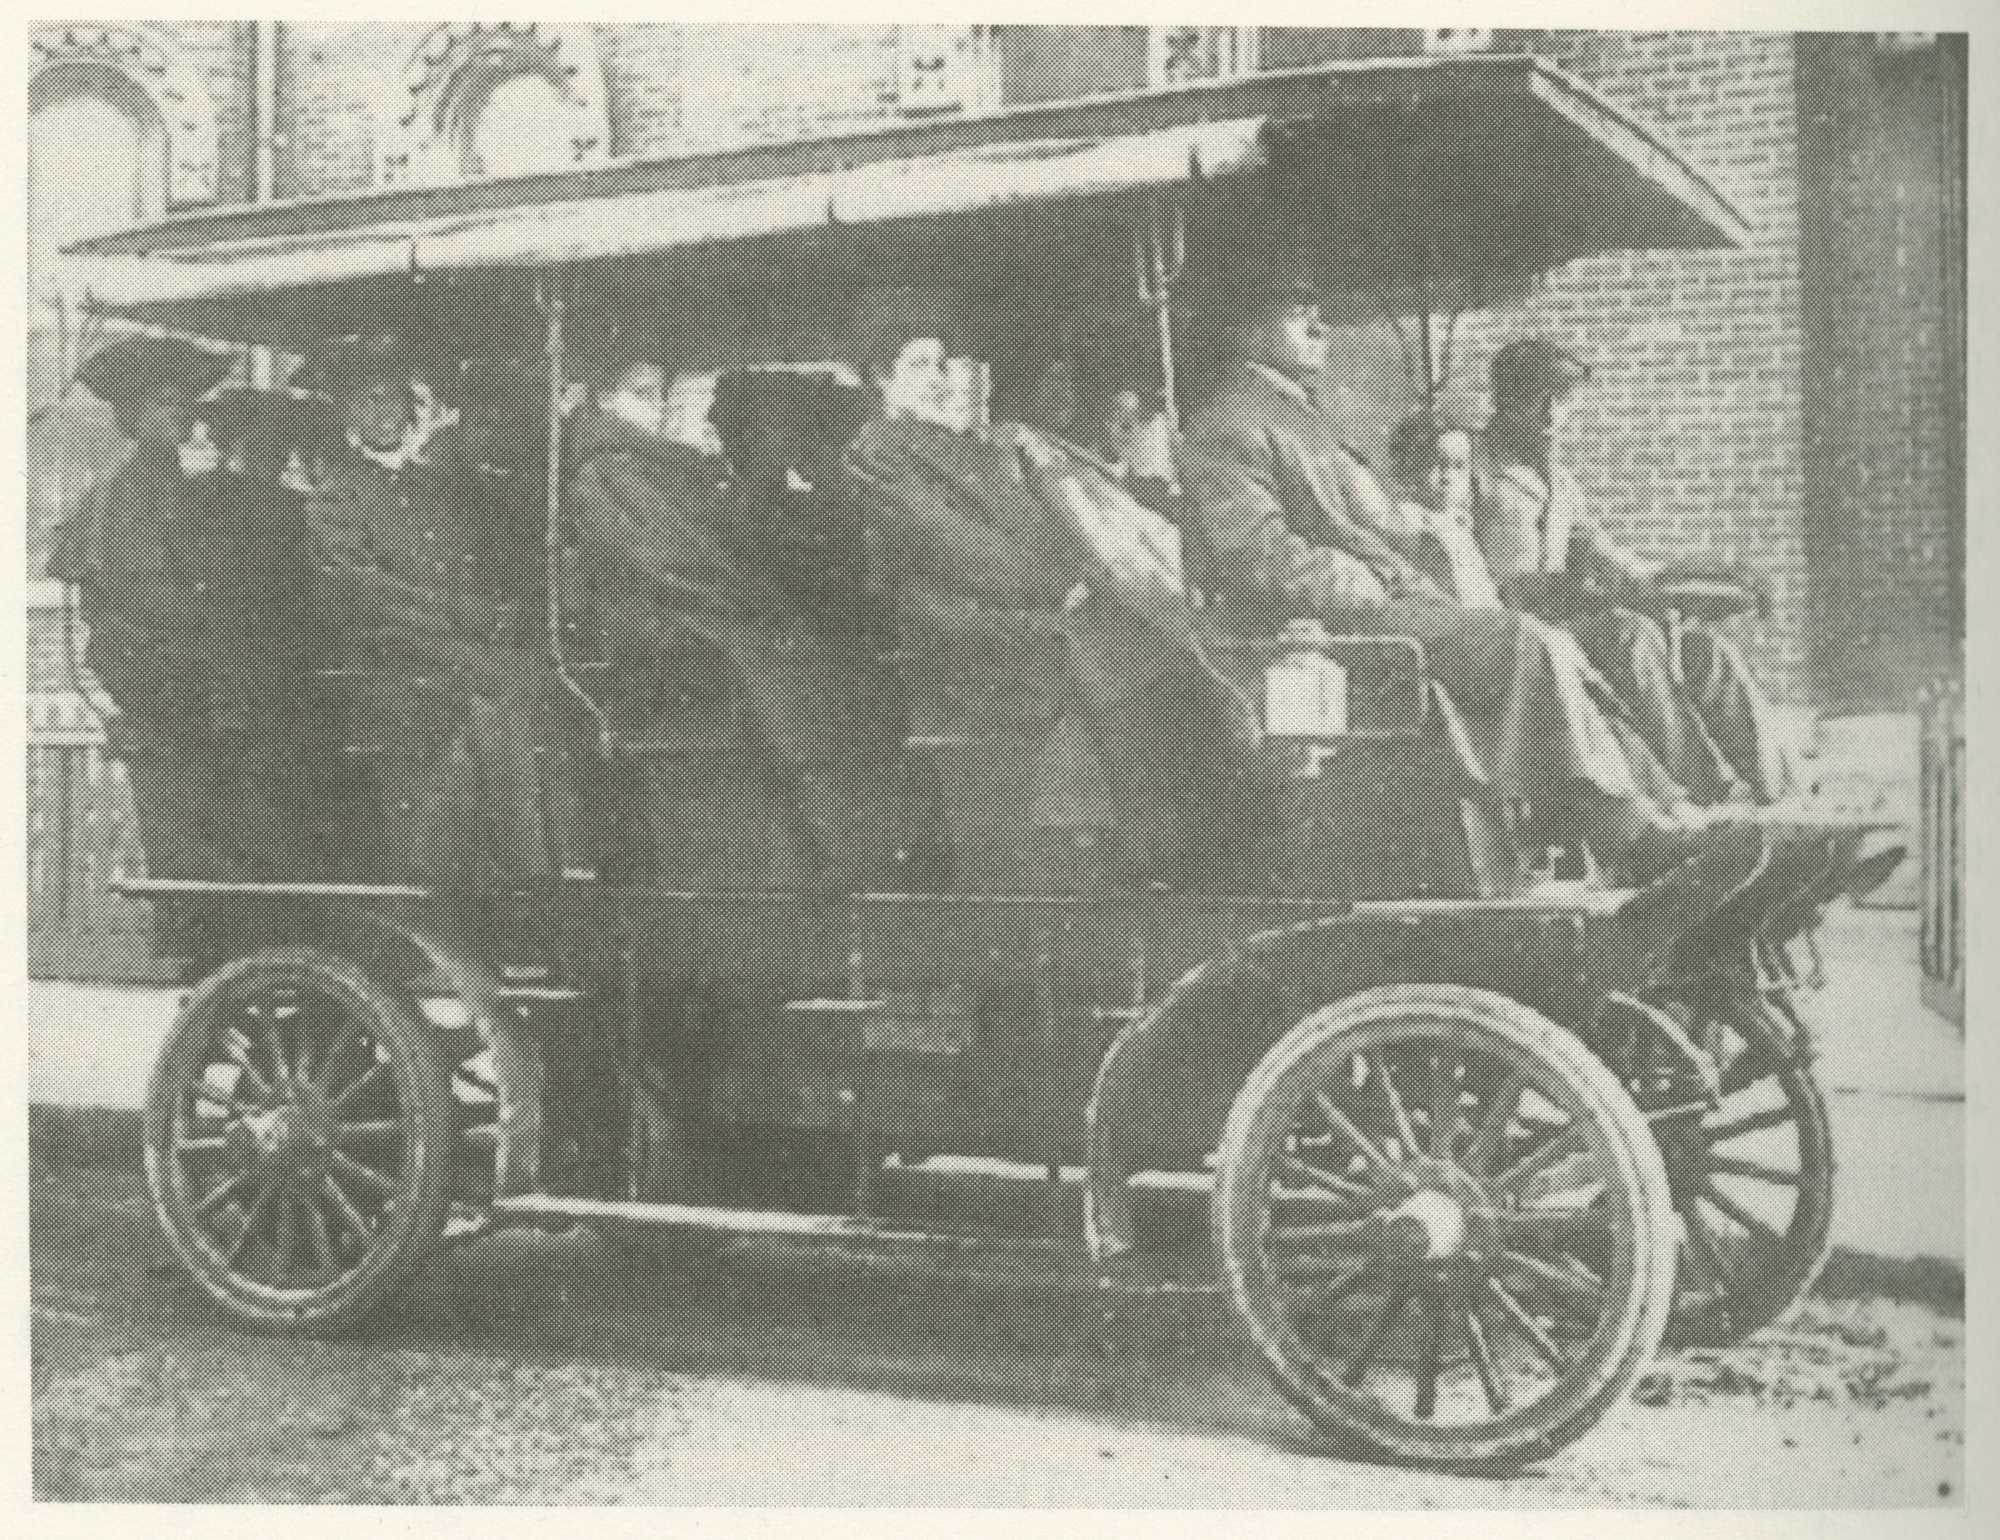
{"x": 1551, "y": 556}
{"x": 1279, "y": 515}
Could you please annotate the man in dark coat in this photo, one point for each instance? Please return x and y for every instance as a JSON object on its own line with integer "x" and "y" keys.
{"x": 1697, "y": 705}
{"x": 454, "y": 689}
{"x": 180, "y": 581}
{"x": 1283, "y": 521}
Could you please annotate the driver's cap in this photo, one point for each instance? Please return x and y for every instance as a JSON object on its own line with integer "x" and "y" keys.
{"x": 1535, "y": 367}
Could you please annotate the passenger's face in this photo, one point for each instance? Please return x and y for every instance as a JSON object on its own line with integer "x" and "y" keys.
{"x": 917, "y": 385}
{"x": 1125, "y": 416}
{"x": 1551, "y": 411}
{"x": 1449, "y": 478}
{"x": 639, "y": 398}
{"x": 160, "y": 419}
{"x": 1295, "y": 340}
{"x": 1130, "y": 421}
{"x": 377, "y": 413}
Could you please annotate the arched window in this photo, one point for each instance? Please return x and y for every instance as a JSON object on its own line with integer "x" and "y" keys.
{"x": 521, "y": 125}
{"x": 97, "y": 157}
{"x": 478, "y": 100}
{"x": 120, "y": 130}
{"x": 97, "y": 161}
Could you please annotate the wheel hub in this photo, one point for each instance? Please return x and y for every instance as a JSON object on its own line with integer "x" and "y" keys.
{"x": 1439, "y": 1219}
{"x": 1440, "y": 1213}
{"x": 285, "y": 1137}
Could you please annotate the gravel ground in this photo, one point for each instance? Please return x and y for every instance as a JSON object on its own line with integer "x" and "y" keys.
{"x": 555, "y": 1369}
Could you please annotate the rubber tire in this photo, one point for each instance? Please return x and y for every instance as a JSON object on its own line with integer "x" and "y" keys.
{"x": 1238, "y": 1205}
{"x": 423, "y": 1084}
{"x": 1809, "y": 1238}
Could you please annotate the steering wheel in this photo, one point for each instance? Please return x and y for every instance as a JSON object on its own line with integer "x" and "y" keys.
{"x": 1709, "y": 600}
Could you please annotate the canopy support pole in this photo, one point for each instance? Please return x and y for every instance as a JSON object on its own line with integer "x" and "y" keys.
{"x": 1426, "y": 339}
{"x": 1162, "y": 254}
{"x": 552, "y": 299}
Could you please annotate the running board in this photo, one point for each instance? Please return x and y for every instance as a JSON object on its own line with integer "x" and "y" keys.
{"x": 1140, "y": 1273}
{"x": 733, "y": 1221}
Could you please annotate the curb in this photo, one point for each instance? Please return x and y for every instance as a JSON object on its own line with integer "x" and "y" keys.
{"x": 97, "y": 1137}
{"x": 1934, "y": 1281}
{"x": 84, "y": 1136}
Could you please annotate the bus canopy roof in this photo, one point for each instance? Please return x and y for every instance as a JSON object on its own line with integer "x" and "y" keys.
{"x": 1466, "y": 172}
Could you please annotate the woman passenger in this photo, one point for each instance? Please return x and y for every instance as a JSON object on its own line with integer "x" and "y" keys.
{"x": 1431, "y": 459}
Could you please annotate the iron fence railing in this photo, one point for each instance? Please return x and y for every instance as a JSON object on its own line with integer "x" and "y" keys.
{"x": 1941, "y": 848}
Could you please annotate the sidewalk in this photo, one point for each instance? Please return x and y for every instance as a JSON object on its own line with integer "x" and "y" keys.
{"x": 1894, "y": 1075}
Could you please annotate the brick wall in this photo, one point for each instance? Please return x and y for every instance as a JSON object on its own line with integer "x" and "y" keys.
{"x": 643, "y": 74}
{"x": 220, "y": 53}
{"x": 753, "y": 83}
{"x": 1688, "y": 438}
{"x": 1883, "y": 394}
{"x": 330, "y": 79}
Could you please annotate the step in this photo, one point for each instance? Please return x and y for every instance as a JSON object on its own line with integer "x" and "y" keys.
{"x": 733, "y": 1221}
{"x": 1057, "y": 1260}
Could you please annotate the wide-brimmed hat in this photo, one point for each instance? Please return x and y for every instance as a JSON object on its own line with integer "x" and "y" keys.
{"x": 885, "y": 319}
{"x": 1249, "y": 295}
{"x": 341, "y": 363}
{"x": 506, "y": 382}
{"x": 134, "y": 367}
{"x": 1276, "y": 292}
{"x": 286, "y": 414}
{"x": 805, "y": 409}
{"x": 1534, "y": 367}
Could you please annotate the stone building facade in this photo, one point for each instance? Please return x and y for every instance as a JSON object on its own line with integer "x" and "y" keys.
{"x": 1797, "y": 402}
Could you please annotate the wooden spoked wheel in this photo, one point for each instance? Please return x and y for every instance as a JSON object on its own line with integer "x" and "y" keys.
{"x": 299, "y": 1132}
{"x": 1445, "y": 1226}
{"x": 1752, "y": 1181}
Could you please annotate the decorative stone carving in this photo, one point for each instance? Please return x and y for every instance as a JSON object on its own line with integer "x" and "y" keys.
{"x": 1458, "y": 40}
{"x": 1180, "y": 54}
{"x": 945, "y": 69}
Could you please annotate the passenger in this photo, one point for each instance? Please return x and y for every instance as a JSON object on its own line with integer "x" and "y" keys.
{"x": 833, "y": 679}
{"x": 498, "y": 420}
{"x": 718, "y": 660}
{"x": 1071, "y": 660}
{"x": 454, "y": 692}
{"x": 1125, "y": 426}
{"x": 174, "y": 588}
{"x": 782, "y": 433}
{"x": 632, "y": 497}
{"x": 491, "y": 456}
{"x": 1550, "y": 556}
{"x": 1431, "y": 459}
{"x": 1285, "y": 518}
{"x": 274, "y": 707}
{"x": 950, "y": 507}
{"x": 1054, "y": 402}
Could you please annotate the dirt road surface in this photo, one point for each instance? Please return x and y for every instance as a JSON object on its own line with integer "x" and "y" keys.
{"x": 558, "y": 1369}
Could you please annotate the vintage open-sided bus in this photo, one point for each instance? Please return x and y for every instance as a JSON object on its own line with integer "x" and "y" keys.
{"x": 1458, "y": 1134}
